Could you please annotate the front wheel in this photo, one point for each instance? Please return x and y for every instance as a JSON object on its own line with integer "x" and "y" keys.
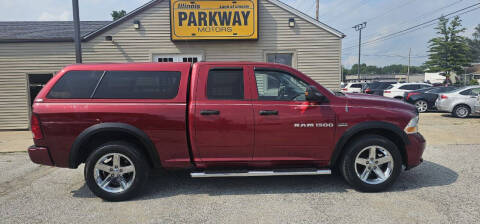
{"x": 116, "y": 171}
{"x": 371, "y": 163}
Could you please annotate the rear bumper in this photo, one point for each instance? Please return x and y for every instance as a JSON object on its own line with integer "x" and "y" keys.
{"x": 415, "y": 150}
{"x": 40, "y": 155}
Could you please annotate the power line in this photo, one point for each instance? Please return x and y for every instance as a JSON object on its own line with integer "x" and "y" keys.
{"x": 414, "y": 27}
{"x": 420, "y": 16}
{"x": 390, "y": 10}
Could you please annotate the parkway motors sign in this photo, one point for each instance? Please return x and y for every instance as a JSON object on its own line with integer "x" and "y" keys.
{"x": 213, "y": 20}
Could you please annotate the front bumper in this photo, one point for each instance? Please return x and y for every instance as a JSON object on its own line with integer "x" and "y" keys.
{"x": 40, "y": 155}
{"x": 415, "y": 150}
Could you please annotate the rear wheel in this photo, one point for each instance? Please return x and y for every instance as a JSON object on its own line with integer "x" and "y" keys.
{"x": 461, "y": 111}
{"x": 422, "y": 106}
{"x": 116, "y": 171}
{"x": 371, "y": 163}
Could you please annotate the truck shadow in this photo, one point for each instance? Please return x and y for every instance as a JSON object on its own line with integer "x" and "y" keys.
{"x": 164, "y": 185}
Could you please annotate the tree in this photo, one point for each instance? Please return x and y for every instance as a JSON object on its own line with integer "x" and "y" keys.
{"x": 449, "y": 51}
{"x": 118, "y": 14}
{"x": 474, "y": 44}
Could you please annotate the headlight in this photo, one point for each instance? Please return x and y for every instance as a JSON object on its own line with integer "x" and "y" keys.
{"x": 412, "y": 126}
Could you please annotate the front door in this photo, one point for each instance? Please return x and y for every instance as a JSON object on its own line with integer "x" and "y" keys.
{"x": 288, "y": 129}
{"x": 223, "y": 117}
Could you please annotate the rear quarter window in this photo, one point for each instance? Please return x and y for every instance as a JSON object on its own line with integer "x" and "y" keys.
{"x": 138, "y": 85}
{"x": 356, "y": 86}
{"x": 75, "y": 85}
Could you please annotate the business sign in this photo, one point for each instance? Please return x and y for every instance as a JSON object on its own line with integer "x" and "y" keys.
{"x": 213, "y": 20}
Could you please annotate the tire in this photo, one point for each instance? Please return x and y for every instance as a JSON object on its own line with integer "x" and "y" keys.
{"x": 461, "y": 111}
{"x": 356, "y": 152}
{"x": 421, "y": 105}
{"x": 121, "y": 182}
{"x": 398, "y": 98}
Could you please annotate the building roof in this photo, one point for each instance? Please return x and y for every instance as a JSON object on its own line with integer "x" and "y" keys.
{"x": 63, "y": 30}
{"x": 275, "y": 2}
{"x": 51, "y": 31}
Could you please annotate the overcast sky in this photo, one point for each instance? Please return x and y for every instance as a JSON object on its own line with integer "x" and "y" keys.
{"x": 383, "y": 17}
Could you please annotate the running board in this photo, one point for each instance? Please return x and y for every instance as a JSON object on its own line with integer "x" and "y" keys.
{"x": 259, "y": 173}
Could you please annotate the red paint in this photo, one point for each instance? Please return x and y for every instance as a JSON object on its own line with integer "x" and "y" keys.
{"x": 237, "y": 137}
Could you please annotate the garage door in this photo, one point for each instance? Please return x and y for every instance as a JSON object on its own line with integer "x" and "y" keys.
{"x": 14, "y": 107}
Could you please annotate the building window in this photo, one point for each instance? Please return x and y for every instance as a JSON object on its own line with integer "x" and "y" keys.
{"x": 280, "y": 58}
{"x": 177, "y": 58}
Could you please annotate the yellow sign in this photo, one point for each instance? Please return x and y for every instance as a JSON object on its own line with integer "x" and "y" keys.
{"x": 213, "y": 20}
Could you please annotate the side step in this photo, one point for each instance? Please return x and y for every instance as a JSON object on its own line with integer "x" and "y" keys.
{"x": 260, "y": 173}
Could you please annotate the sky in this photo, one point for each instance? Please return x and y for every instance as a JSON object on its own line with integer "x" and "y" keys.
{"x": 383, "y": 17}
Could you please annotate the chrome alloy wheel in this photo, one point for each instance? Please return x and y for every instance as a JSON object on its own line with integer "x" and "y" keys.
{"x": 421, "y": 105}
{"x": 374, "y": 165}
{"x": 114, "y": 173}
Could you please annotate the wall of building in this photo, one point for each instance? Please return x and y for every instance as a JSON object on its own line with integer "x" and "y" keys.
{"x": 317, "y": 52}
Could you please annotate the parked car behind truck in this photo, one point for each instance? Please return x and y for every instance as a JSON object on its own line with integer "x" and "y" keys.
{"x": 216, "y": 119}
{"x": 424, "y": 99}
{"x": 461, "y": 102}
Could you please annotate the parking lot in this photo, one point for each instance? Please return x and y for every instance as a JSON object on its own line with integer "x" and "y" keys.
{"x": 444, "y": 189}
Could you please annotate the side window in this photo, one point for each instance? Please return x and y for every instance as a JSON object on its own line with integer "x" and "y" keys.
{"x": 75, "y": 85}
{"x": 476, "y": 91}
{"x": 225, "y": 84}
{"x": 138, "y": 85}
{"x": 466, "y": 92}
{"x": 276, "y": 85}
{"x": 357, "y": 86}
{"x": 406, "y": 87}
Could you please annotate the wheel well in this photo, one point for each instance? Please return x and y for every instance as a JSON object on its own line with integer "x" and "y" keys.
{"x": 390, "y": 135}
{"x": 462, "y": 104}
{"x": 88, "y": 145}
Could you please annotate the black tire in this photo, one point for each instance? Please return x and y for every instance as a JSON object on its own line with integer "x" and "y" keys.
{"x": 348, "y": 164}
{"x": 128, "y": 150}
{"x": 461, "y": 111}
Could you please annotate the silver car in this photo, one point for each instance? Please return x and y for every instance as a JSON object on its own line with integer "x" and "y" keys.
{"x": 461, "y": 102}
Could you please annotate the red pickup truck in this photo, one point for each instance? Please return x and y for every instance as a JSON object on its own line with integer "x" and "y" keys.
{"x": 216, "y": 119}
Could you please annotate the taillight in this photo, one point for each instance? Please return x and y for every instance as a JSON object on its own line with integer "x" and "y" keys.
{"x": 344, "y": 89}
{"x": 411, "y": 94}
{"x": 35, "y": 126}
{"x": 387, "y": 91}
{"x": 368, "y": 90}
{"x": 444, "y": 97}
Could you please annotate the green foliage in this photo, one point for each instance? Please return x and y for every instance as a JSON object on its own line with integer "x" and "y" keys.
{"x": 474, "y": 44}
{"x": 449, "y": 52}
{"x": 118, "y": 14}
{"x": 387, "y": 70}
{"x": 473, "y": 82}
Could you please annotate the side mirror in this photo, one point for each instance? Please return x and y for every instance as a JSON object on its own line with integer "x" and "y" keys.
{"x": 313, "y": 95}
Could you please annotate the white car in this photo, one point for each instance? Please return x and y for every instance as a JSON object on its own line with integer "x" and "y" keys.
{"x": 353, "y": 88}
{"x": 398, "y": 90}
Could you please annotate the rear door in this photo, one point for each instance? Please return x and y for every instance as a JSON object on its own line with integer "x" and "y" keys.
{"x": 222, "y": 116}
{"x": 288, "y": 129}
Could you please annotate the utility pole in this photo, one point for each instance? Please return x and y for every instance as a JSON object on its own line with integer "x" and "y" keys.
{"x": 76, "y": 28}
{"x": 408, "y": 73}
{"x": 359, "y": 28}
{"x": 317, "y": 10}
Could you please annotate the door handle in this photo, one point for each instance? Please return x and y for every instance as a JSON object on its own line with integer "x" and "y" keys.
{"x": 268, "y": 112}
{"x": 209, "y": 112}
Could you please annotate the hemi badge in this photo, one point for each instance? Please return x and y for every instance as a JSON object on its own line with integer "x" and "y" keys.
{"x": 342, "y": 125}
